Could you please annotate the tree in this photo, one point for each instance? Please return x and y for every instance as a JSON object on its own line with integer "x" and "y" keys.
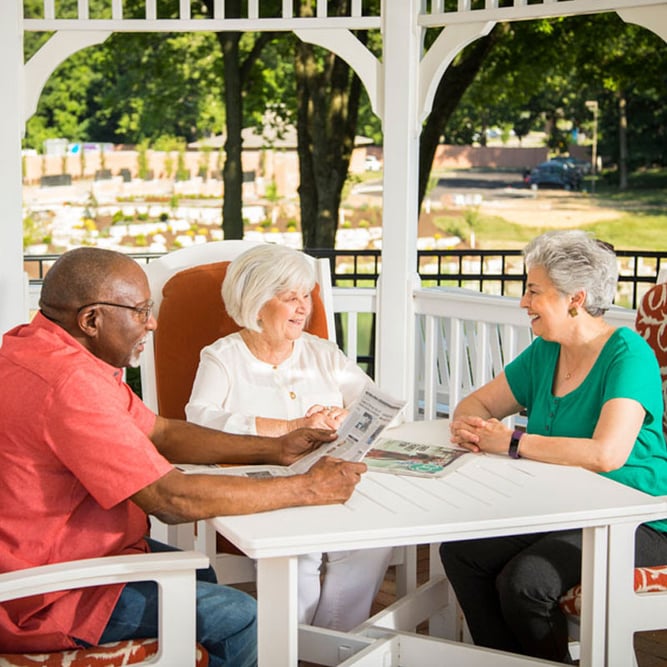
{"x": 328, "y": 96}
{"x": 240, "y": 53}
{"x": 454, "y": 83}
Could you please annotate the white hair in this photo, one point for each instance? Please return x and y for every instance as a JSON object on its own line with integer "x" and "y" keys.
{"x": 258, "y": 275}
{"x": 574, "y": 260}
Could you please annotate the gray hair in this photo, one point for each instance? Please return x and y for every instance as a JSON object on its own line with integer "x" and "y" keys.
{"x": 574, "y": 260}
{"x": 261, "y": 273}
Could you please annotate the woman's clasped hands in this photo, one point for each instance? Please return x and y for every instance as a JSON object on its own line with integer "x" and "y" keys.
{"x": 480, "y": 435}
{"x": 324, "y": 416}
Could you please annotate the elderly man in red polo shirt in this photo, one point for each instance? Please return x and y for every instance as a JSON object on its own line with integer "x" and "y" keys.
{"x": 83, "y": 462}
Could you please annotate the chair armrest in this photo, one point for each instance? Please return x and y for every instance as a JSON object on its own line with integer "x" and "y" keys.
{"x": 174, "y": 572}
{"x": 98, "y": 572}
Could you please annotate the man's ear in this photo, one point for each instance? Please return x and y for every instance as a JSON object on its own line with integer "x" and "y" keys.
{"x": 88, "y": 321}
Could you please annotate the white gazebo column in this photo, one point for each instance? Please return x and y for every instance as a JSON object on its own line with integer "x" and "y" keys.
{"x": 401, "y": 128}
{"x": 13, "y": 305}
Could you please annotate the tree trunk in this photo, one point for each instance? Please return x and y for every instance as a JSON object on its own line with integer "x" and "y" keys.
{"x": 232, "y": 171}
{"x": 454, "y": 83}
{"x": 327, "y": 108}
{"x": 235, "y": 73}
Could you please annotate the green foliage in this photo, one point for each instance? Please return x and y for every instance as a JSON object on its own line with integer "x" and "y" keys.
{"x": 541, "y": 73}
{"x": 35, "y": 229}
{"x": 142, "y": 159}
{"x": 271, "y": 192}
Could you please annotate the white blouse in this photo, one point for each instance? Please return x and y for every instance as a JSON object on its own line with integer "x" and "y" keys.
{"x": 232, "y": 386}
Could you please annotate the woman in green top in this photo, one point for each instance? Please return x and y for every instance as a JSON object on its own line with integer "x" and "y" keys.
{"x": 593, "y": 397}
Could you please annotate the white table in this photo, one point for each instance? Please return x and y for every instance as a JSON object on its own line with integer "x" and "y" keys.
{"x": 484, "y": 496}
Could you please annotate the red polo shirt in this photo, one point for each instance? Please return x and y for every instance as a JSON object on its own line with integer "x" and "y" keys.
{"x": 73, "y": 449}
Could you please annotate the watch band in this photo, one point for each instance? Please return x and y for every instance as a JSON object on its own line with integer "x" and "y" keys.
{"x": 513, "y": 451}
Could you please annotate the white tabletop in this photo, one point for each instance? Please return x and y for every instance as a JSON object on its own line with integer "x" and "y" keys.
{"x": 480, "y": 496}
{"x": 484, "y": 495}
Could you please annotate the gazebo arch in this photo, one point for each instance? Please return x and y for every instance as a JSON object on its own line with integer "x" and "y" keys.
{"x": 401, "y": 85}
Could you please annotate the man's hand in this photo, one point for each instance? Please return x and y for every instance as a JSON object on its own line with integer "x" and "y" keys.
{"x": 333, "y": 480}
{"x": 295, "y": 444}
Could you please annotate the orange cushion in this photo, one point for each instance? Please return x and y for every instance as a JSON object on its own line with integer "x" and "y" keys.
{"x": 191, "y": 316}
{"x": 647, "y": 580}
{"x": 109, "y": 655}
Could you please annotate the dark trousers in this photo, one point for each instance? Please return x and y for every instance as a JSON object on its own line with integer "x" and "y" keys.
{"x": 509, "y": 587}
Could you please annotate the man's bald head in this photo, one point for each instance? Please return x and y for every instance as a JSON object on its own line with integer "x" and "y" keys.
{"x": 82, "y": 276}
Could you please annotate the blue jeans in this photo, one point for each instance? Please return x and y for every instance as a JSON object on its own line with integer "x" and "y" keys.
{"x": 226, "y": 617}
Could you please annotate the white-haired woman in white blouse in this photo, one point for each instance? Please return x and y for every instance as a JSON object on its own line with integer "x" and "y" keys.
{"x": 270, "y": 378}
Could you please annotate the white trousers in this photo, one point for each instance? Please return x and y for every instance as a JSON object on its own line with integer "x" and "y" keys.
{"x": 337, "y": 589}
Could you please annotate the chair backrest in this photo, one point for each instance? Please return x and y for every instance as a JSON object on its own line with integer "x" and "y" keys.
{"x": 651, "y": 323}
{"x": 185, "y": 286}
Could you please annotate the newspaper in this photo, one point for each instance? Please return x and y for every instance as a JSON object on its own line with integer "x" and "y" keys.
{"x": 368, "y": 416}
{"x": 401, "y": 457}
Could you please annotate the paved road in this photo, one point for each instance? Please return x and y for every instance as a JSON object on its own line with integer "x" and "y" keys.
{"x": 470, "y": 180}
{"x": 461, "y": 182}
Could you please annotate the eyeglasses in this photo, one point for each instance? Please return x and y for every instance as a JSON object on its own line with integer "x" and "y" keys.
{"x": 144, "y": 312}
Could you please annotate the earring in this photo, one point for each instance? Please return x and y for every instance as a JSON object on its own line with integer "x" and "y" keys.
{"x": 573, "y": 312}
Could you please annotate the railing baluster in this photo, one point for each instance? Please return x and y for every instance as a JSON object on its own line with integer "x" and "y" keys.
{"x": 184, "y": 9}
{"x": 430, "y": 367}
{"x": 351, "y": 340}
{"x": 83, "y": 10}
{"x": 151, "y": 10}
{"x": 117, "y": 9}
{"x": 288, "y": 9}
{"x": 49, "y": 9}
{"x": 456, "y": 357}
{"x": 253, "y": 9}
{"x": 482, "y": 365}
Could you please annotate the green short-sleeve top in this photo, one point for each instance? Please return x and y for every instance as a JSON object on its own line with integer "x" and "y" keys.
{"x": 625, "y": 368}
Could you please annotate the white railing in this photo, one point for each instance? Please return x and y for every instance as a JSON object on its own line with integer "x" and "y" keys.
{"x": 464, "y": 338}
{"x": 445, "y": 12}
{"x": 120, "y": 16}
{"x": 362, "y": 14}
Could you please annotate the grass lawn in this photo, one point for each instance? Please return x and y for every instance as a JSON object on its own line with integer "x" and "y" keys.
{"x": 640, "y": 223}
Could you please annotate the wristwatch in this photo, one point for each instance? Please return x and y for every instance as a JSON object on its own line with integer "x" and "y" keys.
{"x": 513, "y": 451}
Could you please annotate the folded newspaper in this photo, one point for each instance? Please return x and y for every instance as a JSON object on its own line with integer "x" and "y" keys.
{"x": 411, "y": 458}
{"x": 368, "y": 416}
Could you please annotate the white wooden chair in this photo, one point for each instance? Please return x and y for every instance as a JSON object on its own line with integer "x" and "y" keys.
{"x": 185, "y": 287}
{"x": 174, "y": 573}
{"x": 638, "y": 600}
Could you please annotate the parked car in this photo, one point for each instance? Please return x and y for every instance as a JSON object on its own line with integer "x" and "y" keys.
{"x": 371, "y": 163}
{"x": 582, "y": 165}
{"x": 556, "y": 173}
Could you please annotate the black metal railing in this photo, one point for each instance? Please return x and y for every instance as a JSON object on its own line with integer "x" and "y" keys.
{"x": 490, "y": 271}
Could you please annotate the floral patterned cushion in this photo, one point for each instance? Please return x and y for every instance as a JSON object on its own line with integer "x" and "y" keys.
{"x": 651, "y": 324}
{"x": 114, "y": 654}
{"x": 647, "y": 580}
